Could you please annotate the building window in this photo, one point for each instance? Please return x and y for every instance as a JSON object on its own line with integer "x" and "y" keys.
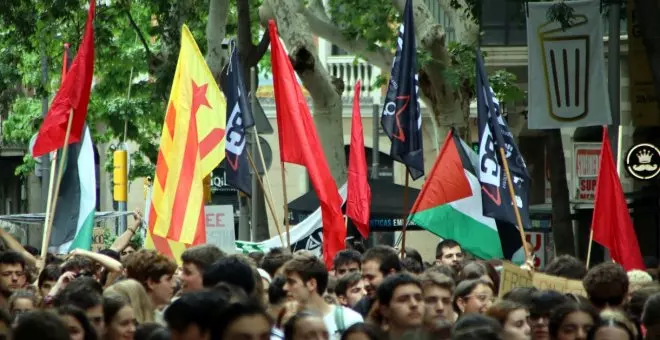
{"x": 503, "y": 23}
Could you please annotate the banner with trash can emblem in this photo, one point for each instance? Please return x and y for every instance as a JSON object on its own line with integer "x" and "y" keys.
{"x": 567, "y": 84}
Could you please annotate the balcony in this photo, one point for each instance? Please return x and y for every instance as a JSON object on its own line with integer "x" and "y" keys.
{"x": 350, "y": 70}
{"x": 9, "y": 150}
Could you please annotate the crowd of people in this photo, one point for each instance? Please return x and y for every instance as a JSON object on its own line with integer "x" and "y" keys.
{"x": 124, "y": 293}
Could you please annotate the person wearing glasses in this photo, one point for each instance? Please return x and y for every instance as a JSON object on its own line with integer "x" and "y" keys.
{"x": 473, "y": 296}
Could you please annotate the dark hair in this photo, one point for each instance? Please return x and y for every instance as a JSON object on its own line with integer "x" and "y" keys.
{"x": 387, "y": 258}
{"x": 635, "y": 305}
{"x": 233, "y": 270}
{"x": 500, "y": 310}
{"x": 308, "y": 267}
{"x": 80, "y": 293}
{"x": 446, "y": 243}
{"x": 558, "y": 314}
{"x": 40, "y": 325}
{"x": 385, "y": 290}
{"x": 566, "y": 266}
{"x": 609, "y": 322}
{"x": 431, "y": 278}
{"x": 256, "y": 256}
{"x": 606, "y": 285}
{"x": 276, "y": 293}
{"x": 31, "y": 249}
{"x": 411, "y": 265}
{"x": 199, "y": 308}
{"x": 651, "y": 314}
{"x": 236, "y": 311}
{"x": 414, "y": 254}
{"x": 371, "y": 331}
{"x": 290, "y": 326}
{"x": 111, "y": 253}
{"x": 145, "y": 264}
{"x": 81, "y": 317}
{"x": 78, "y": 264}
{"x": 476, "y": 327}
{"x": 202, "y": 256}
{"x": 347, "y": 281}
{"x": 521, "y": 295}
{"x": 51, "y": 272}
{"x": 444, "y": 269}
{"x": 145, "y": 330}
{"x": 543, "y": 301}
{"x": 347, "y": 256}
{"x": 477, "y": 269}
{"x": 111, "y": 306}
{"x": 159, "y": 334}
{"x": 12, "y": 257}
{"x": 465, "y": 288}
{"x": 275, "y": 259}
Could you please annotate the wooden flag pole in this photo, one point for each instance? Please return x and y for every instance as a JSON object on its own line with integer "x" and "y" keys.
{"x": 286, "y": 207}
{"x": 53, "y": 198}
{"x": 405, "y": 216}
{"x": 268, "y": 199}
{"x": 512, "y": 192}
{"x": 49, "y": 201}
{"x": 263, "y": 162}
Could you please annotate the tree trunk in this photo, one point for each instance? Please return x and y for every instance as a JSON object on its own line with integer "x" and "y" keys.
{"x": 648, "y": 12}
{"x": 216, "y": 56}
{"x": 294, "y": 30}
{"x": 562, "y": 224}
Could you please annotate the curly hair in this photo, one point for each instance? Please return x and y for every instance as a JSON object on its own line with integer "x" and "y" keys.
{"x": 145, "y": 265}
{"x": 606, "y": 285}
{"x": 566, "y": 266}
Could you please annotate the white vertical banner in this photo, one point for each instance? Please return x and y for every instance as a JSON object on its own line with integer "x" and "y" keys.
{"x": 567, "y": 79}
{"x": 219, "y": 221}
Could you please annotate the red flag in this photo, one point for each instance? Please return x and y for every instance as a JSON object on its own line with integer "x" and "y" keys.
{"x": 299, "y": 144}
{"x": 72, "y": 95}
{"x": 611, "y": 223}
{"x": 358, "y": 199}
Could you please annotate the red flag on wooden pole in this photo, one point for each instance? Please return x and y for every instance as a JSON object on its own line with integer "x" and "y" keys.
{"x": 358, "y": 199}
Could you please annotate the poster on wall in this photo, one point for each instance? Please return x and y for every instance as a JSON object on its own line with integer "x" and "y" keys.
{"x": 219, "y": 220}
{"x": 585, "y": 170}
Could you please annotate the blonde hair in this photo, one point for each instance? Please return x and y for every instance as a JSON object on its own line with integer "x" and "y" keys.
{"x": 638, "y": 279}
{"x": 133, "y": 292}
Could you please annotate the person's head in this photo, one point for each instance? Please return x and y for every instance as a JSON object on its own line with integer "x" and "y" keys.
{"x": 305, "y": 325}
{"x": 132, "y": 291}
{"x": 76, "y": 323}
{"x": 154, "y": 271}
{"x": 651, "y": 265}
{"x": 84, "y": 293}
{"x": 480, "y": 270}
{"x": 40, "y": 325}
{"x": 473, "y": 296}
{"x": 521, "y": 295}
{"x": 22, "y": 301}
{"x": 651, "y": 315}
{"x": 273, "y": 261}
{"x": 541, "y": 303}
{"x": 47, "y": 279}
{"x": 363, "y": 331}
{"x": 449, "y": 252}
{"x": 610, "y": 328}
{"x": 79, "y": 265}
{"x": 513, "y": 318}
{"x": 638, "y": 279}
{"x": 635, "y": 305}
{"x": 476, "y": 327}
{"x": 306, "y": 278}
{"x": 401, "y": 301}
{"x": 377, "y": 263}
{"x": 444, "y": 269}
{"x": 12, "y": 270}
{"x": 128, "y": 251}
{"x": 566, "y": 266}
{"x": 276, "y": 292}
{"x": 233, "y": 270}
{"x": 194, "y": 316}
{"x": 572, "y": 321}
{"x": 437, "y": 290}
{"x": 350, "y": 289}
{"x": 196, "y": 260}
{"x": 119, "y": 318}
{"x": 347, "y": 261}
{"x": 606, "y": 285}
{"x": 244, "y": 320}
{"x": 146, "y": 330}
{"x": 257, "y": 257}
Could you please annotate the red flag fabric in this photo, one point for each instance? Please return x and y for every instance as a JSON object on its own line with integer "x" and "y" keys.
{"x": 358, "y": 199}
{"x": 611, "y": 223}
{"x": 299, "y": 144}
{"x": 72, "y": 95}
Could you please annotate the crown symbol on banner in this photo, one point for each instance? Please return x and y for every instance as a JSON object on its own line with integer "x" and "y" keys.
{"x": 644, "y": 156}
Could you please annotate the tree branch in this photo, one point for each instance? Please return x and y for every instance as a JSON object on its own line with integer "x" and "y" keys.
{"x": 244, "y": 31}
{"x": 258, "y": 51}
{"x": 464, "y": 23}
{"x": 138, "y": 31}
{"x": 317, "y": 8}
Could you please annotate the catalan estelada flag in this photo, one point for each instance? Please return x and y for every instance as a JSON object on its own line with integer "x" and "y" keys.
{"x": 191, "y": 146}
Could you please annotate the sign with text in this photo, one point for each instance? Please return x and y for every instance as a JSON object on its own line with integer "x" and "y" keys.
{"x": 586, "y": 158}
{"x": 98, "y": 239}
{"x": 537, "y": 240}
{"x": 513, "y": 276}
{"x": 219, "y": 220}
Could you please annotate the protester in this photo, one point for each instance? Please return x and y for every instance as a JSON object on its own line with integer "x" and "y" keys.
{"x": 350, "y": 289}
{"x": 133, "y": 292}
{"x": 606, "y": 285}
{"x": 651, "y": 317}
{"x": 438, "y": 290}
{"x": 476, "y": 327}
{"x": 12, "y": 271}
{"x": 146, "y": 330}
{"x": 541, "y": 304}
{"x": 233, "y": 270}
{"x": 119, "y": 318}
{"x": 572, "y": 321}
{"x": 401, "y": 303}
{"x": 154, "y": 271}
{"x": 195, "y": 315}
{"x": 196, "y": 260}
{"x": 76, "y": 323}
{"x": 274, "y": 260}
{"x": 84, "y": 293}
{"x": 637, "y": 279}
{"x": 449, "y": 252}
{"x": 40, "y": 325}
{"x": 473, "y": 296}
{"x": 513, "y": 318}
{"x": 47, "y": 279}
{"x": 634, "y": 307}
{"x": 363, "y": 331}
{"x": 243, "y": 320}
{"x": 377, "y": 263}
{"x": 566, "y": 266}
{"x": 306, "y": 325}
{"x": 481, "y": 270}
{"x": 347, "y": 261}
{"x": 609, "y": 328}
{"x": 21, "y": 302}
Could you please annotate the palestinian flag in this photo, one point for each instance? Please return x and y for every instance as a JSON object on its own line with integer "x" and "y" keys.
{"x": 73, "y": 221}
{"x": 450, "y": 205}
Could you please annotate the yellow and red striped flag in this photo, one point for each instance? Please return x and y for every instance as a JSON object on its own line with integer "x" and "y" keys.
{"x": 191, "y": 146}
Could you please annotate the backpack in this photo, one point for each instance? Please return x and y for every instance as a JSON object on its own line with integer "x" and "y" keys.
{"x": 339, "y": 319}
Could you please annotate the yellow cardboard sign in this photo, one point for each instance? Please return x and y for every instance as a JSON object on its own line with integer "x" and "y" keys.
{"x": 513, "y": 276}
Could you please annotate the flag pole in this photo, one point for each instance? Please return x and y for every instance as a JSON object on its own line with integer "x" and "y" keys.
{"x": 512, "y": 192}
{"x": 268, "y": 199}
{"x": 405, "y": 216}
{"x": 286, "y": 206}
{"x": 49, "y": 201}
{"x": 53, "y": 201}
{"x": 263, "y": 162}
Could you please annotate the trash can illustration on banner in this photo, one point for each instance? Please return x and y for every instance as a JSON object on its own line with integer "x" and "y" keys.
{"x": 566, "y": 69}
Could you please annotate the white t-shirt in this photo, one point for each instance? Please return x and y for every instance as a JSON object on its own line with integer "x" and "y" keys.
{"x": 351, "y": 317}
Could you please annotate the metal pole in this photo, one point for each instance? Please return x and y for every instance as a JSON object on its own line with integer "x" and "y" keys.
{"x": 254, "y": 219}
{"x": 375, "y": 147}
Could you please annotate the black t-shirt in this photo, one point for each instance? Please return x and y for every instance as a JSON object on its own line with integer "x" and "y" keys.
{"x": 363, "y": 306}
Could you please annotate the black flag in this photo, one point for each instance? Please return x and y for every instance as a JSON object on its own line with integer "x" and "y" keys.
{"x": 493, "y": 134}
{"x": 401, "y": 117}
{"x": 239, "y": 119}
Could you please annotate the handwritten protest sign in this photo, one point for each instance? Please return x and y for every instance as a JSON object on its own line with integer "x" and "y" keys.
{"x": 513, "y": 276}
